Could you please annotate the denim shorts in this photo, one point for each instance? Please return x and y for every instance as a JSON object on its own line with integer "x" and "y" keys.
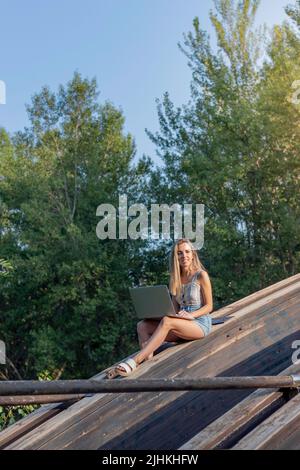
{"x": 204, "y": 321}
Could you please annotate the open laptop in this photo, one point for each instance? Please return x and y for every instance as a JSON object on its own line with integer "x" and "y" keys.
{"x": 155, "y": 302}
{"x": 152, "y": 302}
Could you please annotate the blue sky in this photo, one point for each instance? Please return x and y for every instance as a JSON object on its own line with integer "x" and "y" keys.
{"x": 130, "y": 46}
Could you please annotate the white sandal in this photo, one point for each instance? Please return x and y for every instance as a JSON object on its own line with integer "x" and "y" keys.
{"x": 129, "y": 365}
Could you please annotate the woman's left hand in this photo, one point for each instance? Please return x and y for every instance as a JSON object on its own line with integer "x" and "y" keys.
{"x": 184, "y": 314}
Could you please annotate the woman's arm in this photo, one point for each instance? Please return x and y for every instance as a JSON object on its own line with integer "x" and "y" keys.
{"x": 205, "y": 286}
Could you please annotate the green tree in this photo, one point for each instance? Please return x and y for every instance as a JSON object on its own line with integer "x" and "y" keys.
{"x": 224, "y": 149}
{"x": 66, "y": 308}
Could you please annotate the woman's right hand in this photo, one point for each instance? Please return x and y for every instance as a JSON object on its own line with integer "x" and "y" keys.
{"x": 185, "y": 314}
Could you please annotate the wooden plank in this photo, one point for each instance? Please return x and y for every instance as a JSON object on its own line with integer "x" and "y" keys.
{"x": 27, "y": 424}
{"x": 265, "y": 292}
{"x": 179, "y": 420}
{"x": 290, "y": 440}
{"x": 161, "y": 423}
{"x": 233, "y": 422}
{"x": 36, "y": 418}
{"x": 221, "y": 337}
{"x": 275, "y": 429}
{"x": 155, "y": 411}
{"x": 152, "y": 366}
{"x": 261, "y": 322}
{"x": 90, "y": 424}
{"x": 44, "y": 413}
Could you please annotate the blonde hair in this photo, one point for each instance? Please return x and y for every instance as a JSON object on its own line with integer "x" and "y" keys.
{"x": 175, "y": 270}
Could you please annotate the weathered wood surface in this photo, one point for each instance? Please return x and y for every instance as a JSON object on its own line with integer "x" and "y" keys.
{"x": 279, "y": 431}
{"x": 226, "y": 431}
{"x": 45, "y": 412}
{"x": 256, "y": 341}
{"x": 31, "y": 421}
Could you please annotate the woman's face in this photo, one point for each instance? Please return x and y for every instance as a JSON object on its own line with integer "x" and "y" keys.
{"x": 185, "y": 256}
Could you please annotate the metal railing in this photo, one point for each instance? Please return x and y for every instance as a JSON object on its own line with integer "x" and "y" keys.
{"x": 35, "y": 391}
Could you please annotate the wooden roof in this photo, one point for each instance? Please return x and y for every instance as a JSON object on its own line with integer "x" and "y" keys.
{"x": 257, "y": 340}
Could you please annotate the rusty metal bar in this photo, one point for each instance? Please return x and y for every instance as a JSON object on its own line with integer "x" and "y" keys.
{"x": 37, "y": 399}
{"x": 62, "y": 387}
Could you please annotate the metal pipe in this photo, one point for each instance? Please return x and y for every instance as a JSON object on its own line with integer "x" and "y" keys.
{"x": 37, "y": 399}
{"x": 296, "y": 379}
{"x": 62, "y": 387}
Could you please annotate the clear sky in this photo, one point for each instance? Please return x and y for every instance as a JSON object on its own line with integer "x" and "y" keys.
{"x": 130, "y": 46}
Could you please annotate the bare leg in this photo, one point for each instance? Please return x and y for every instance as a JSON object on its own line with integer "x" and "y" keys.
{"x": 145, "y": 330}
{"x": 185, "y": 329}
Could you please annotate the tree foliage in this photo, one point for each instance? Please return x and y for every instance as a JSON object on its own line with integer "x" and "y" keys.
{"x": 65, "y": 306}
{"x": 234, "y": 147}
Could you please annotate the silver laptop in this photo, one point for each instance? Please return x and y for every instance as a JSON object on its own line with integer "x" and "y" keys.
{"x": 152, "y": 302}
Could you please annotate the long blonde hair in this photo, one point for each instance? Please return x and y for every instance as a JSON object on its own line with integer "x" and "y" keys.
{"x": 175, "y": 270}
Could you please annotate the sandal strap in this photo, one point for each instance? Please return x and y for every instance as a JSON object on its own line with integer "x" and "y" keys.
{"x": 129, "y": 365}
{"x": 125, "y": 366}
{"x": 131, "y": 362}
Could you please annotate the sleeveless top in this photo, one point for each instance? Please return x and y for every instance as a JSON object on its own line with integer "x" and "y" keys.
{"x": 191, "y": 293}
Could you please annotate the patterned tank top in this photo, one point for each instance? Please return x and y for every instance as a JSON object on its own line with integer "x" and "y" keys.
{"x": 191, "y": 293}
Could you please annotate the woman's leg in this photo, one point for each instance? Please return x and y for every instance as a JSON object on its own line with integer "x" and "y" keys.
{"x": 145, "y": 330}
{"x": 185, "y": 329}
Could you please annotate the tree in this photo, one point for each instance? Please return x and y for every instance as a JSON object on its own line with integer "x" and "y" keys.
{"x": 224, "y": 149}
{"x": 66, "y": 308}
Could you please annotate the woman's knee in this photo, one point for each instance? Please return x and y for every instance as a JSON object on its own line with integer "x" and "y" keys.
{"x": 167, "y": 321}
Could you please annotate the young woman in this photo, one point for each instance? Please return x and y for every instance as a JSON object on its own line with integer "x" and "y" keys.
{"x": 191, "y": 292}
